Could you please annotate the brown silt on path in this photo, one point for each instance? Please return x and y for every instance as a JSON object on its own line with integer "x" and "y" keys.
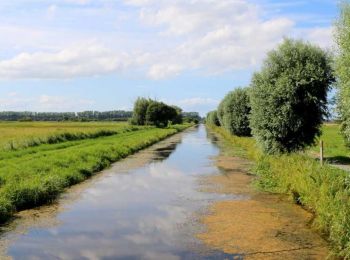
{"x": 254, "y": 224}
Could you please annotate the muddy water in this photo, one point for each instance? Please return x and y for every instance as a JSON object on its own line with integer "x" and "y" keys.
{"x": 179, "y": 199}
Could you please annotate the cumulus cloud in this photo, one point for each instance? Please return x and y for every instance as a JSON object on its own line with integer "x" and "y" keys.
{"x": 76, "y": 61}
{"x": 201, "y": 36}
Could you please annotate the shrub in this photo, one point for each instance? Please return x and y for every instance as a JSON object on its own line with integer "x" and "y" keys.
{"x": 343, "y": 68}
{"x": 160, "y": 114}
{"x": 233, "y": 112}
{"x": 212, "y": 118}
{"x": 289, "y": 97}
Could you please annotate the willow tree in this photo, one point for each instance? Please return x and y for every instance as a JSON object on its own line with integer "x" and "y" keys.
{"x": 343, "y": 68}
{"x": 289, "y": 96}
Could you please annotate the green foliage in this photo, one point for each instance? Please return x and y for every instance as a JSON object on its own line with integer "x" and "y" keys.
{"x": 116, "y": 115}
{"x": 233, "y": 112}
{"x": 152, "y": 112}
{"x": 178, "y": 119}
{"x": 36, "y": 175}
{"x": 140, "y": 109}
{"x": 343, "y": 68}
{"x": 289, "y": 97}
{"x": 212, "y": 118}
{"x": 324, "y": 190}
{"x": 191, "y": 117}
{"x": 160, "y": 114}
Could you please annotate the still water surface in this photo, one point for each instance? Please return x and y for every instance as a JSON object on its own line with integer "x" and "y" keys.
{"x": 144, "y": 207}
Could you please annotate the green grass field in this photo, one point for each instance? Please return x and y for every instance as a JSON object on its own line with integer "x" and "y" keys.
{"x": 16, "y": 135}
{"x": 335, "y": 150}
{"x": 33, "y": 175}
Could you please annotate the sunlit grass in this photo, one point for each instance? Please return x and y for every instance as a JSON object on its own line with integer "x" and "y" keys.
{"x": 335, "y": 149}
{"x": 14, "y": 135}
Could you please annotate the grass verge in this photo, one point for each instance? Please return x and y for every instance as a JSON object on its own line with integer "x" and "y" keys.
{"x": 29, "y": 179}
{"x": 324, "y": 190}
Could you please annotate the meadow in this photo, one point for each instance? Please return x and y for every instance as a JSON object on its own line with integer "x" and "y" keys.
{"x": 15, "y": 135}
{"x": 32, "y": 175}
{"x": 323, "y": 190}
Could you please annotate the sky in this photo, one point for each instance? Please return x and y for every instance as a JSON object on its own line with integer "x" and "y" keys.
{"x": 76, "y": 55}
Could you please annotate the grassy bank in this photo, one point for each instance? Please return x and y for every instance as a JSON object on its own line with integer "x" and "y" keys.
{"x": 33, "y": 176}
{"x": 323, "y": 190}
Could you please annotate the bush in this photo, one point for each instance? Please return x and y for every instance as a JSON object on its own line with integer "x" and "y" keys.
{"x": 212, "y": 118}
{"x": 191, "y": 117}
{"x": 289, "y": 97}
{"x": 151, "y": 112}
{"x": 139, "y": 112}
{"x": 160, "y": 114}
{"x": 343, "y": 69}
{"x": 233, "y": 112}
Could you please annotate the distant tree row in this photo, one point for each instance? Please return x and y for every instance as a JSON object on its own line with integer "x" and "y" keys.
{"x": 191, "y": 117}
{"x": 117, "y": 115}
{"x": 286, "y": 102}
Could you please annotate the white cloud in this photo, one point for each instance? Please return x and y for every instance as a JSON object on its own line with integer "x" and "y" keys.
{"x": 50, "y": 103}
{"x": 17, "y": 102}
{"x": 76, "y": 61}
{"x": 162, "y": 71}
{"x": 202, "y": 36}
{"x": 198, "y": 101}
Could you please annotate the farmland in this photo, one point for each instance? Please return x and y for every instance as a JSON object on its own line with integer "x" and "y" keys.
{"x": 45, "y": 158}
{"x": 22, "y": 134}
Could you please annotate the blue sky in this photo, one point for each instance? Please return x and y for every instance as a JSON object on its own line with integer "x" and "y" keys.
{"x": 74, "y": 55}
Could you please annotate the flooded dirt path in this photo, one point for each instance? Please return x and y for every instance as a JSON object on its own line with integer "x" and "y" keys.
{"x": 183, "y": 198}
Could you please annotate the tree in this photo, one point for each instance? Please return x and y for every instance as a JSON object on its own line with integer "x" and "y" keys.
{"x": 234, "y": 111}
{"x": 289, "y": 96}
{"x": 191, "y": 117}
{"x": 160, "y": 114}
{"x": 179, "y": 117}
{"x": 140, "y": 110}
{"x": 212, "y": 118}
{"x": 343, "y": 68}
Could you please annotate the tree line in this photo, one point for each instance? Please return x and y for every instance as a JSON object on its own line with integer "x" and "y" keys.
{"x": 285, "y": 104}
{"x": 117, "y": 115}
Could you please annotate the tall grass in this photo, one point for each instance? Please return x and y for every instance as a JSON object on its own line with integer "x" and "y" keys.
{"x": 324, "y": 190}
{"x": 29, "y": 179}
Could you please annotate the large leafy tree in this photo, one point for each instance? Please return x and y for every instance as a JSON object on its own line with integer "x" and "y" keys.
{"x": 212, "y": 118}
{"x": 233, "y": 112}
{"x": 140, "y": 109}
{"x": 343, "y": 67}
{"x": 289, "y": 96}
{"x": 160, "y": 114}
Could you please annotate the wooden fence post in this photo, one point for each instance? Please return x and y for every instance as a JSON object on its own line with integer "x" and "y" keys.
{"x": 321, "y": 152}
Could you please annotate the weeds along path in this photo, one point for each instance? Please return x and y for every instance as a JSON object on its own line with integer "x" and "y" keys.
{"x": 34, "y": 176}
